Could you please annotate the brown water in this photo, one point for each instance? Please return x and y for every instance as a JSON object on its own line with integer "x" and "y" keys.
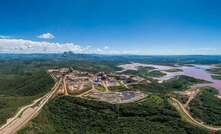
{"x": 195, "y": 71}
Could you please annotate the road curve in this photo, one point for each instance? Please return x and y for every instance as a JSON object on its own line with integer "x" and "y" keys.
{"x": 179, "y": 106}
{"x": 27, "y": 113}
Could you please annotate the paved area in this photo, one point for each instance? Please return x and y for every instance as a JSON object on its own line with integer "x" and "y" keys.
{"x": 117, "y": 97}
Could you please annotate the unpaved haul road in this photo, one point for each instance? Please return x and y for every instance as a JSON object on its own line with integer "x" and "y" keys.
{"x": 179, "y": 106}
{"x": 27, "y": 113}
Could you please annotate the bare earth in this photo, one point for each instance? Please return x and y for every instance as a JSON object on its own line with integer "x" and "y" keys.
{"x": 185, "y": 113}
{"x": 27, "y": 113}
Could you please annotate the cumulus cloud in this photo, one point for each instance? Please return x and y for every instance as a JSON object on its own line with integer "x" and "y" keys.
{"x": 46, "y": 36}
{"x": 106, "y": 47}
{"x": 11, "y": 45}
{"x": 28, "y": 46}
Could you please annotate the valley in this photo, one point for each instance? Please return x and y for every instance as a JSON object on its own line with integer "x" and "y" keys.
{"x": 169, "y": 96}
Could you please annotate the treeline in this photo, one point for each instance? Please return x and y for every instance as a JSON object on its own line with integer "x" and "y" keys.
{"x": 23, "y": 66}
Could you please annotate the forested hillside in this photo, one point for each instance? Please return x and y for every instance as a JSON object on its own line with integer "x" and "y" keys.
{"x": 69, "y": 115}
{"x": 19, "y": 85}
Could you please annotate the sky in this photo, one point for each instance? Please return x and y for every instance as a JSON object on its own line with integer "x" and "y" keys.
{"x": 143, "y": 27}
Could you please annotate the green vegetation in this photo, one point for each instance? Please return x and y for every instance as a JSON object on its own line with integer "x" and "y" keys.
{"x": 182, "y": 82}
{"x": 207, "y": 107}
{"x": 9, "y": 106}
{"x": 68, "y": 115}
{"x": 217, "y": 77}
{"x": 174, "y": 70}
{"x": 182, "y": 98}
{"x": 155, "y": 73}
{"x": 20, "y": 86}
{"x": 22, "y": 66}
{"x": 117, "y": 88}
{"x": 93, "y": 66}
{"x": 179, "y": 83}
{"x": 145, "y": 72}
{"x": 23, "y": 78}
{"x": 216, "y": 71}
{"x": 29, "y": 84}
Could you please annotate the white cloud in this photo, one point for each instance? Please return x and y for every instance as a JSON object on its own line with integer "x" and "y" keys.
{"x": 46, "y": 36}
{"x": 106, "y": 47}
{"x": 10, "y": 45}
{"x": 98, "y": 50}
{"x": 28, "y": 46}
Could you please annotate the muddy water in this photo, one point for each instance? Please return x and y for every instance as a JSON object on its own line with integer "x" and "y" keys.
{"x": 195, "y": 71}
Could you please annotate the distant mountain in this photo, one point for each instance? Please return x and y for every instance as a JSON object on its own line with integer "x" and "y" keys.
{"x": 182, "y": 59}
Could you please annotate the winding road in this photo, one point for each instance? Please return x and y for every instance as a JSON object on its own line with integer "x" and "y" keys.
{"x": 27, "y": 113}
{"x": 181, "y": 108}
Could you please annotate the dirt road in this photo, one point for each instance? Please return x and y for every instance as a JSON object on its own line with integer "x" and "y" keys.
{"x": 65, "y": 86}
{"x": 84, "y": 93}
{"x": 191, "y": 97}
{"x": 105, "y": 86}
{"x": 184, "y": 113}
{"x": 27, "y": 113}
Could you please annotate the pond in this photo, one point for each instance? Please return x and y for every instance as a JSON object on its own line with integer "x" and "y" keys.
{"x": 195, "y": 71}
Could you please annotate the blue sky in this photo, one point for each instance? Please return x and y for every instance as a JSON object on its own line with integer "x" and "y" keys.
{"x": 111, "y": 26}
